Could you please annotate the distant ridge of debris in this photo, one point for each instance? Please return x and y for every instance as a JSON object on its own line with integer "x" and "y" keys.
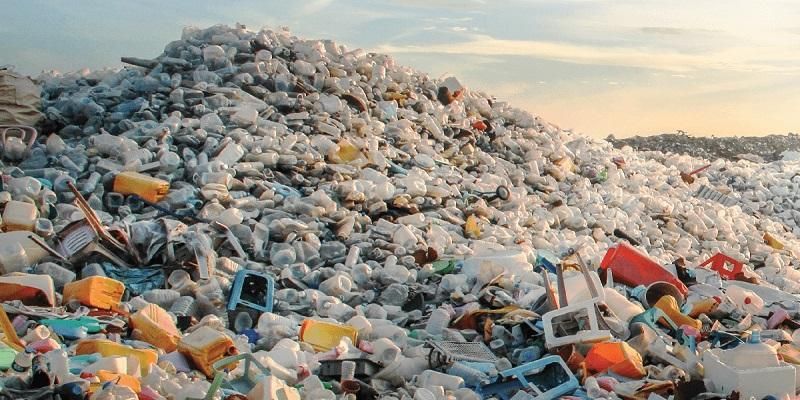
{"x": 754, "y": 148}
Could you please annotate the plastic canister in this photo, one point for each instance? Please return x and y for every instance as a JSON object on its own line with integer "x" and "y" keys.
{"x": 633, "y": 268}
{"x": 323, "y": 336}
{"x": 155, "y": 326}
{"x": 95, "y": 291}
{"x": 107, "y": 348}
{"x": 18, "y": 251}
{"x": 752, "y": 354}
{"x": 13, "y": 256}
{"x": 148, "y": 188}
{"x": 205, "y": 346}
{"x": 19, "y": 216}
{"x": 746, "y": 300}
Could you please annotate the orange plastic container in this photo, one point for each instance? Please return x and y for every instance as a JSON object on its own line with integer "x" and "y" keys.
{"x": 205, "y": 346}
{"x": 323, "y": 336}
{"x": 144, "y": 186}
{"x": 154, "y": 325}
{"x": 617, "y": 357}
{"x": 95, "y": 291}
{"x": 107, "y": 348}
{"x": 118, "y": 379}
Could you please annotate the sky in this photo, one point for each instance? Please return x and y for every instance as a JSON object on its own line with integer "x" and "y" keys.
{"x": 621, "y": 67}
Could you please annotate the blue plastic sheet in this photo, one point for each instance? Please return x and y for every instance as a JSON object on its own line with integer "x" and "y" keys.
{"x": 136, "y": 280}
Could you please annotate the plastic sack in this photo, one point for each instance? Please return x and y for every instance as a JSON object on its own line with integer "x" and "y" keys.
{"x": 20, "y": 99}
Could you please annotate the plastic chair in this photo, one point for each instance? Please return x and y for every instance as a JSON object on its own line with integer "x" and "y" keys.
{"x": 548, "y": 377}
{"x": 247, "y": 283}
{"x": 583, "y": 311}
{"x": 242, "y": 384}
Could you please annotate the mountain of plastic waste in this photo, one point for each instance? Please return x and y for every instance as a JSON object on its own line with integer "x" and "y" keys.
{"x": 255, "y": 215}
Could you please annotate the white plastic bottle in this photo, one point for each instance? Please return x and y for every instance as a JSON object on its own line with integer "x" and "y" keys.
{"x": 438, "y": 321}
{"x": 430, "y": 378}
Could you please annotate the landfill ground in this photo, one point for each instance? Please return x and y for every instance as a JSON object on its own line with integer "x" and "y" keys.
{"x": 253, "y": 215}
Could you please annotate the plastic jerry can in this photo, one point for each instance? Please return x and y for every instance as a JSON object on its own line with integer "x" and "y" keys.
{"x": 323, "y": 336}
{"x": 154, "y": 325}
{"x": 13, "y": 257}
{"x": 107, "y": 348}
{"x": 148, "y": 188}
{"x": 95, "y": 291}
{"x": 19, "y": 216}
{"x": 744, "y": 299}
{"x": 205, "y": 346}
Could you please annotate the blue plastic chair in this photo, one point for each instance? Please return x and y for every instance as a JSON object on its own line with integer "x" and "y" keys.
{"x": 548, "y": 378}
{"x": 245, "y": 277}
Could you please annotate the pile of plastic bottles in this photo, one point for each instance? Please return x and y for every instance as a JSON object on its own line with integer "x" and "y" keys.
{"x": 253, "y": 215}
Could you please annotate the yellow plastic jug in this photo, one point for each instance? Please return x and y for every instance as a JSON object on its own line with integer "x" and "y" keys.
{"x": 154, "y": 325}
{"x": 323, "y": 336}
{"x": 769, "y": 239}
{"x": 472, "y": 227}
{"x": 144, "y": 186}
{"x": 95, "y": 291}
{"x": 107, "y": 348}
{"x": 669, "y": 306}
{"x": 205, "y": 346}
{"x": 346, "y": 151}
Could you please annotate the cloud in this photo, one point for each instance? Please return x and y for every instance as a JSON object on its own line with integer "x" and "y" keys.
{"x": 662, "y": 30}
{"x": 670, "y": 30}
{"x": 741, "y": 59}
{"x": 313, "y": 7}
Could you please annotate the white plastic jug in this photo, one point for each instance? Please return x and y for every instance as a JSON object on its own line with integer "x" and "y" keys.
{"x": 745, "y": 299}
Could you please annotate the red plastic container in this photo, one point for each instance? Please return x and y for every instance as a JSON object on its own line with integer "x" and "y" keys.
{"x": 632, "y": 267}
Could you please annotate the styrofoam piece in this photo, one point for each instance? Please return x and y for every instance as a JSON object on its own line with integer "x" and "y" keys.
{"x": 749, "y": 382}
